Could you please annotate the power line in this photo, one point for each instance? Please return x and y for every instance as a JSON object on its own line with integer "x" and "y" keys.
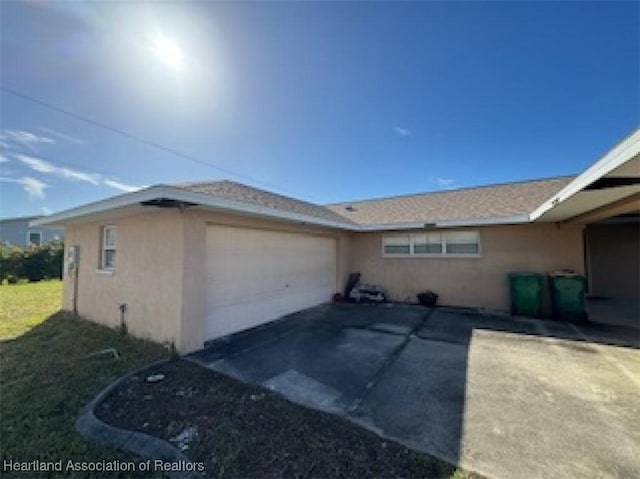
{"x": 135, "y": 138}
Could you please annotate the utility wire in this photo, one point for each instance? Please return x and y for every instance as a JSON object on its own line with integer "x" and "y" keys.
{"x": 135, "y": 138}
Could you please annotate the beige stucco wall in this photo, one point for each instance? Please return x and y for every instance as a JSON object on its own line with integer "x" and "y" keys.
{"x": 472, "y": 282}
{"x": 147, "y": 278}
{"x": 614, "y": 260}
{"x": 161, "y": 268}
{"x": 161, "y": 271}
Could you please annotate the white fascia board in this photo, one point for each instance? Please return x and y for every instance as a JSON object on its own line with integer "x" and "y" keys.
{"x": 495, "y": 220}
{"x": 394, "y": 226}
{"x": 458, "y": 223}
{"x": 177, "y": 194}
{"x": 619, "y": 154}
{"x": 119, "y": 201}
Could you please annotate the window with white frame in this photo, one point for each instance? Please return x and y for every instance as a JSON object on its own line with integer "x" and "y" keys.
{"x": 35, "y": 238}
{"x": 462, "y": 242}
{"x": 445, "y": 243}
{"x": 397, "y": 244}
{"x": 108, "y": 252}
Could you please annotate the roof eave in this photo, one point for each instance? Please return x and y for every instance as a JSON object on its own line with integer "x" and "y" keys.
{"x": 622, "y": 152}
{"x": 457, "y": 223}
{"x": 201, "y": 199}
{"x": 178, "y": 194}
{"x": 494, "y": 220}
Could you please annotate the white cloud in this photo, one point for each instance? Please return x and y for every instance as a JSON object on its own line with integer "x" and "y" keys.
{"x": 46, "y": 211}
{"x": 94, "y": 179}
{"x": 39, "y": 165}
{"x": 32, "y": 186}
{"x": 445, "y": 181}
{"x": 402, "y": 131}
{"x": 36, "y": 164}
{"x": 120, "y": 186}
{"x": 23, "y": 139}
{"x": 42, "y": 166}
{"x": 62, "y": 136}
{"x": 3, "y": 159}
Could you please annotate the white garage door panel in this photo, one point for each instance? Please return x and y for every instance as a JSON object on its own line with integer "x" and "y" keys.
{"x": 256, "y": 276}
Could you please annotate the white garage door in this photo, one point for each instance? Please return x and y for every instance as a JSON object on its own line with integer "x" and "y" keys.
{"x": 255, "y": 276}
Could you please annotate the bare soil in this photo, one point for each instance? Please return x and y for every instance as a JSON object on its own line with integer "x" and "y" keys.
{"x": 240, "y": 431}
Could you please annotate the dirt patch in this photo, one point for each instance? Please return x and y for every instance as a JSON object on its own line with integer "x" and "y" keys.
{"x": 242, "y": 431}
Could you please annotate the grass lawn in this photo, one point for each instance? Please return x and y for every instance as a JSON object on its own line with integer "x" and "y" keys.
{"x": 47, "y": 376}
{"x": 25, "y": 305}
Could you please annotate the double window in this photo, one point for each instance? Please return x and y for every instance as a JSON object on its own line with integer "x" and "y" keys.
{"x": 446, "y": 243}
{"x": 108, "y": 250}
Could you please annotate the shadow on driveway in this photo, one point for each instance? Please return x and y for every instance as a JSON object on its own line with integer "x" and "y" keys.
{"x": 506, "y": 397}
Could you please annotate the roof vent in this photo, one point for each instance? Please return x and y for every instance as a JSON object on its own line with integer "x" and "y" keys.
{"x": 350, "y": 208}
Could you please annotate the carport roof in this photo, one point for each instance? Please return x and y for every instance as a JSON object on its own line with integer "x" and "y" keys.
{"x": 609, "y": 187}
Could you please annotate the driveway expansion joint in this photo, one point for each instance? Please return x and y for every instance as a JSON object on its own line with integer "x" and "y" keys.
{"x": 89, "y": 426}
{"x": 387, "y": 363}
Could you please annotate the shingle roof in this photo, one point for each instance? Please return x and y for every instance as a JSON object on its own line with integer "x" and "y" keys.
{"x": 502, "y": 200}
{"x": 233, "y": 191}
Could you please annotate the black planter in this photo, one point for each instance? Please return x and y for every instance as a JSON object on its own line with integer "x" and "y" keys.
{"x": 428, "y": 298}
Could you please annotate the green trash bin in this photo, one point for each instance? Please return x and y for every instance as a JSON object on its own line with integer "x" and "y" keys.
{"x": 526, "y": 294}
{"x": 568, "y": 296}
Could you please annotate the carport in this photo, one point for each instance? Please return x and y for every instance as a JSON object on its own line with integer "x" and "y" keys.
{"x": 605, "y": 200}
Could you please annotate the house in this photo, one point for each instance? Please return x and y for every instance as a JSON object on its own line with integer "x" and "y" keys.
{"x": 17, "y": 232}
{"x": 187, "y": 263}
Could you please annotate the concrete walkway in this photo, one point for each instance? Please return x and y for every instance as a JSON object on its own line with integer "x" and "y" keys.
{"x": 508, "y": 398}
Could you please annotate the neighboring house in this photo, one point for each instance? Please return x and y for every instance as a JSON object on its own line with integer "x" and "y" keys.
{"x": 197, "y": 261}
{"x": 17, "y": 232}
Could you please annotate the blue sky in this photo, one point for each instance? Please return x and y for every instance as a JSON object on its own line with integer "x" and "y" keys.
{"x": 323, "y": 101}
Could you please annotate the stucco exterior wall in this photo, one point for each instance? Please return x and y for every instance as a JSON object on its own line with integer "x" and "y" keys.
{"x": 614, "y": 260}
{"x": 474, "y": 281}
{"x": 161, "y": 271}
{"x": 147, "y": 278}
{"x": 161, "y": 268}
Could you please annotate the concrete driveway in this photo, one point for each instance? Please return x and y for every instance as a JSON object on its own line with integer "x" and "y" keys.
{"x": 505, "y": 397}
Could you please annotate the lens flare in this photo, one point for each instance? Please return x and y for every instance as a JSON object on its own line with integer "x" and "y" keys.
{"x": 168, "y": 52}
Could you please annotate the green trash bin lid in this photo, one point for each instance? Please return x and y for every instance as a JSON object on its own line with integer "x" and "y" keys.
{"x": 564, "y": 274}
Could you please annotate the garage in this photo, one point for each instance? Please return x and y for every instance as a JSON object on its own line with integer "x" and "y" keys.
{"x": 254, "y": 276}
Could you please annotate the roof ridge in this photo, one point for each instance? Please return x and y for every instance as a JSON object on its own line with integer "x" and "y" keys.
{"x": 465, "y": 188}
